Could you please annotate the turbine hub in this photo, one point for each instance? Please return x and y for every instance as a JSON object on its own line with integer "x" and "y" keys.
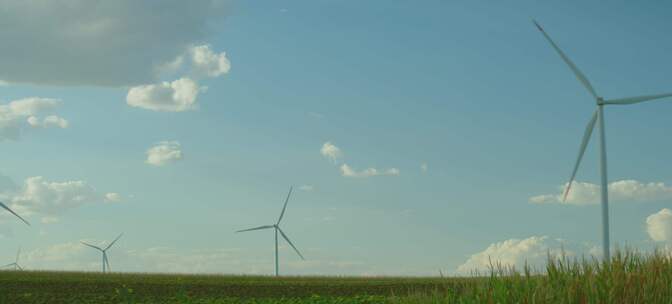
{"x": 600, "y": 101}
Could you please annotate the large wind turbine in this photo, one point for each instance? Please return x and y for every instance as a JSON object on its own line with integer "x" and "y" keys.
{"x": 16, "y": 262}
{"x": 276, "y": 226}
{"x": 598, "y": 116}
{"x": 2, "y": 205}
{"x": 106, "y": 262}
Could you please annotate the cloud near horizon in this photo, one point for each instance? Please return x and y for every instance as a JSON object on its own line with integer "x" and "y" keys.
{"x": 533, "y": 251}
{"x": 659, "y": 225}
{"x": 583, "y": 193}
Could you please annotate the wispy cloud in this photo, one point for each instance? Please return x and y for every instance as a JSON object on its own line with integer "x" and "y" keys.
{"x": 334, "y": 153}
{"x": 347, "y": 171}
{"x": 306, "y": 187}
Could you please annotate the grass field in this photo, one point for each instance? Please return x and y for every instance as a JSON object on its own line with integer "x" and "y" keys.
{"x": 628, "y": 278}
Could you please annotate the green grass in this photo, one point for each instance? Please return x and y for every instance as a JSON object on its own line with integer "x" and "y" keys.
{"x": 628, "y": 278}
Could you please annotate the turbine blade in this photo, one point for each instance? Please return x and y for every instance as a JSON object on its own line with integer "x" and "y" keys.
{"x": 582, "y": 149}
{"x": 12, "y": 212}
{"x": 115, "y": 240}
{"x": 107, "y": 262}
{"x": 92, "y": 246}
{"x": 579, "y": 75}
{"x": 290, "y": 243}
{"x": 285, "y": 206}
{"x": 257, "y": 228}
{"x": 19, "y": 267}
{"x": 637, "y": 99}
{"x": 5, "y": 266}
{"x": 17, "y": 255}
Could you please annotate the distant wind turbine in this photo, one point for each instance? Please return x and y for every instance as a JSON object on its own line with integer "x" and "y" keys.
{"x": 16, "y": 262}
{"x": 598, "y": 117}
{"x": 276, "y": 226}
{"x": 2, "y": 205}
{"x": 106, "y": 262}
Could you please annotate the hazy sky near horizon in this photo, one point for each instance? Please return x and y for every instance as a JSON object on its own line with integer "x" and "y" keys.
{"x": 419, "y": 135}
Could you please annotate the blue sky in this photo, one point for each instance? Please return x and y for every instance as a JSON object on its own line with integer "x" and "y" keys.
{"x": 470, "y": 89}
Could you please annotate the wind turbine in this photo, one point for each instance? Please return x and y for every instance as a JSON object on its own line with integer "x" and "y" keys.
{"x": 598, "y": 117}
{"x": 106, "y": 262}
{"x": 16, "y": 262}
{"x": 2, "y": 205}
{"x": 276, "y": 226}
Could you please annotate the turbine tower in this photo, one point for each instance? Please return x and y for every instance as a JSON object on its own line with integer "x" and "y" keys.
{"x": 2, "y": 205}
{"x": 106, "y": 262}
{"x": 16, "y": 262}
{"x": 598, "y": 117}
{"x": 277, "y": 229}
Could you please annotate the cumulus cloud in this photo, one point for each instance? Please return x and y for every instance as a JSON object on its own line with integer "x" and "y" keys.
{"x": 163, "y": 153}
{"x": 108, "y": 43}
{"x": 48, "y": 122}
{"x": 41, "y": 196}
{"x": 534, "y": 251}
{"x": 659, "y": 225}
{"x": 49, "y": 199}
{"x": 208, "y": 63}
{"x": 19, "y": 115}
{"x": 347, "y": 171}
{"x": 583, "y": 193}
{"x": 177, "y": 96}
{"x": 331, "y": 152}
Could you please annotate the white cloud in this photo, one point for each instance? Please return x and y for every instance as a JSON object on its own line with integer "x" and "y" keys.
{"x": 48, "y": 199}
{"x": 331, "y": 152}
{"x": 47, "y": 122}
{"x": 334, "y": 153}
{"x": 177, "y": 96}
{"x": 18, "y": 115}
{"x": 659, "y": 225}
{"x": 347, "y": 171}
{"x": 163, "y": 153}
{"x": 424, "y": 167}
{"x": 208, "y": 63}
{"x": 113, "y": 197}
{"x": 624, "y": 190}
{"x": 109, "y": 43}
{"x": 516, "y": 252}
